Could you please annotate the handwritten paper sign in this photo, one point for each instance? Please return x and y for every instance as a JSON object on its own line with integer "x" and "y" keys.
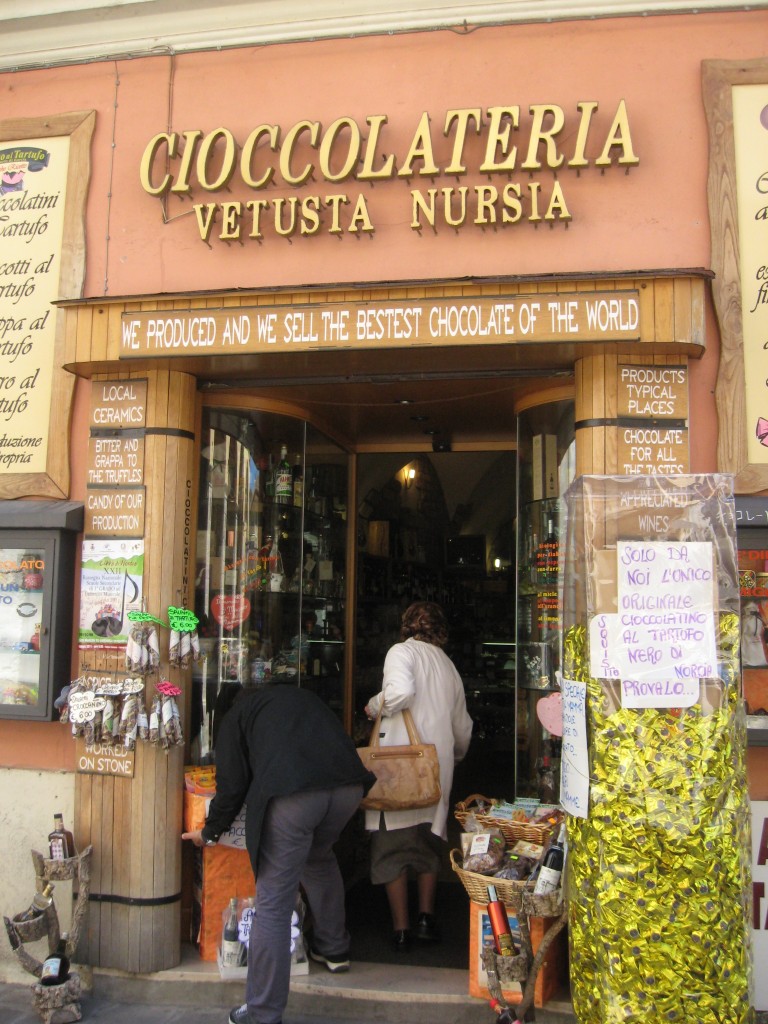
{"x": 662, "y": 640}
{"x": 574, "y": 763}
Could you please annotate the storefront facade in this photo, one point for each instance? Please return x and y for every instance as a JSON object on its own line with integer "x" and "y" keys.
{"x": 519, "y": 219}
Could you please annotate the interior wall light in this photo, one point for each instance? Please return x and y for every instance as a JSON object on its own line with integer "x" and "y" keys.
{"x": 409, "y": 476}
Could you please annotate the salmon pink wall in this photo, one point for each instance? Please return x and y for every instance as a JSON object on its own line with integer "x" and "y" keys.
{"x": 652, "y": 217}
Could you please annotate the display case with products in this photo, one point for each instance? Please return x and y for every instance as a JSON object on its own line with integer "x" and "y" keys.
{"x": 752, "y": 543}
{"x": 546, "y": 466}
{"x": 538, "y": 645}
{"x": 271, "y": 553}
{"x": 36, "y": 569}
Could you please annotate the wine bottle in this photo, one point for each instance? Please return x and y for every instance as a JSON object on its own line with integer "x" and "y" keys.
{"x": 60, "y": 841}
{"x": 269, "y": 482}
{"x": 231, "y": 946}
{"x": 298, "y": 482}
{"x": 552, "y": 866}
{"x": 40, "y": 903}
{"x": 503, "y": 1013}
{"x": 55, "y": 969}
{"x": 502, "y": 933}
{"x": 546, "y": 780}
{"x": 283, "y": 479}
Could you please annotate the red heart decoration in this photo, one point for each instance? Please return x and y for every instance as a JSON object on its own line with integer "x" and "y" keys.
{"x": 230, "y": 609}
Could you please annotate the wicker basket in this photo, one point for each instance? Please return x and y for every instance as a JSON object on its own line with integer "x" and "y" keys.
{"x": 510, "y": 892}
{"x": 512, "y": 831}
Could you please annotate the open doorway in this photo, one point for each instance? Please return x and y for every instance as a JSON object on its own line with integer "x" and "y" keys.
{"x": 439, "y": 527}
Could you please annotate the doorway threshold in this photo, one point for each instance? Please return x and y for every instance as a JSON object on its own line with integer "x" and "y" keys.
{"x": 410, "y": 995}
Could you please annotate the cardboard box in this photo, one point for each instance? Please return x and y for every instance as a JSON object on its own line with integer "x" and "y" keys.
{"x": 195, "y": 811}
{"x": 552, "y": 975}
{"x": 221, "y": 872}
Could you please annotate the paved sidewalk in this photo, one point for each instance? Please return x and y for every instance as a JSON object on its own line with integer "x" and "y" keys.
{"x": 16, "y": 1007}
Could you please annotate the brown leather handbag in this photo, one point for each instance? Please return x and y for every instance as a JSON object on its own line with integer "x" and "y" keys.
{"x": 407, "y": 776}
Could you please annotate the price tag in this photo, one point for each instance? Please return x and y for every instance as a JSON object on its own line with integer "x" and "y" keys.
{"x": 83, "y": 706}
{"x": 144, "y": 617}
{"x": 182, "y": 619}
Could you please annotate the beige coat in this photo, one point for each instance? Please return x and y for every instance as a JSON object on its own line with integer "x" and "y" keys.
{"x": 423, "y": 678}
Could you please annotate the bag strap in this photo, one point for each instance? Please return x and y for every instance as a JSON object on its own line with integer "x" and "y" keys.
{"x": 410, "y": 725}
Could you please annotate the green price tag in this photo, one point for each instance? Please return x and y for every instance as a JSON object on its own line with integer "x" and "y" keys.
{"x": 182, "y": 619}
{"x": 144, "y": 617}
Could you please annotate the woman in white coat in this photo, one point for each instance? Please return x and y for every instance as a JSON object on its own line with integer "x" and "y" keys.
{"x": 419, "y": 675}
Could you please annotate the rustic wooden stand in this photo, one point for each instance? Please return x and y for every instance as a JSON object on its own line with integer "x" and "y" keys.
{"x": 56, "y": 1004}
{"x": 524, "y": 968}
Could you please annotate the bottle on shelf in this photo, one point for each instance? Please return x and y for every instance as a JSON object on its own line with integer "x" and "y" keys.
{"x": 504, "y": 1015}
{"x": 298, "y": 481}
{"x": 552, "y": 866}
{"x": 502, "y": 933}
{"x": 60, "y": 841}
{"x": 283, "y": 479}
{"x": 232, "y": 949}
{"x": 269, "y": 482}
{"x": 546, "y": 774}
{"x": 55, "y": 969}
{"x": 40, "y": 903}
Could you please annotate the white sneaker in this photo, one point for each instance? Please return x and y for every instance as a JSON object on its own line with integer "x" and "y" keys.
{"x": 335, "y": 964}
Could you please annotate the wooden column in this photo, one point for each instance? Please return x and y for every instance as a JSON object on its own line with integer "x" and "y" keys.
{"x": 134, "y": 824}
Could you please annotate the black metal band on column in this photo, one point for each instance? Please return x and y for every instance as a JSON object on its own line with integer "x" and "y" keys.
{"x": 134, "y": 901}
{"x": 632, "y": 421}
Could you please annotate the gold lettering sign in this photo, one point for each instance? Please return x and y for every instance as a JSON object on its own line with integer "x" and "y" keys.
{"x": 539, "y": 317}
{"x": 513, "y": 140}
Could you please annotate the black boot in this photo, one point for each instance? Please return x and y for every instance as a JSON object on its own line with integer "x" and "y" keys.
{"x": 401, "y": 941}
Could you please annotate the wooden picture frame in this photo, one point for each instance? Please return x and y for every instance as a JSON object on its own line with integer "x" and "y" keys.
{"x": 79, "y": 126}
{"x": 718, "y": 79}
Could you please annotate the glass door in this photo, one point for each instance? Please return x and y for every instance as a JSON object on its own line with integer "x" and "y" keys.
{"x": 271, "y": 563}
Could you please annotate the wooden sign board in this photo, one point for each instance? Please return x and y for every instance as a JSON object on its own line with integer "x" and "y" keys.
{"x": 115, "y": 512}
{"x": 118, "y": 405}
{"x": 653, "y": 392}
{"x": 653, "y": 419}
{"x": 104, "y": 759}
{"x": 115, "y": 461}
{"x": 653, "y": 448}
{"x": 502, "y": 319}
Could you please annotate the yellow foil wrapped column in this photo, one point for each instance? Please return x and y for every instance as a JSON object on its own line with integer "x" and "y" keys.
{"x": 658, "y": 874}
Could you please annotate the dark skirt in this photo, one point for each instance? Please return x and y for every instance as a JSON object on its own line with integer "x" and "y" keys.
{"x": 415, "y": 847}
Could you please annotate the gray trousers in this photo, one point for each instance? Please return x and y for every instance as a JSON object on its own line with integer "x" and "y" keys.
{"x": 296, "y": 847}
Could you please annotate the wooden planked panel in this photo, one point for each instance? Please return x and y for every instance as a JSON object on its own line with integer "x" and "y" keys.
{"x": 136, "y": 823}
{"x": 664, "y": 311}
{"x": 682, "y": 294}
{"x": 698, "y": 313}
{"x": 647, "y": 303}
{"x": 83, "y": 349}
{"x": 611, "y": 366}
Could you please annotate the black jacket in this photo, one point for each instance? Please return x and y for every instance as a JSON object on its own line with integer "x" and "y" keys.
{"x": 274, "y": 742}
